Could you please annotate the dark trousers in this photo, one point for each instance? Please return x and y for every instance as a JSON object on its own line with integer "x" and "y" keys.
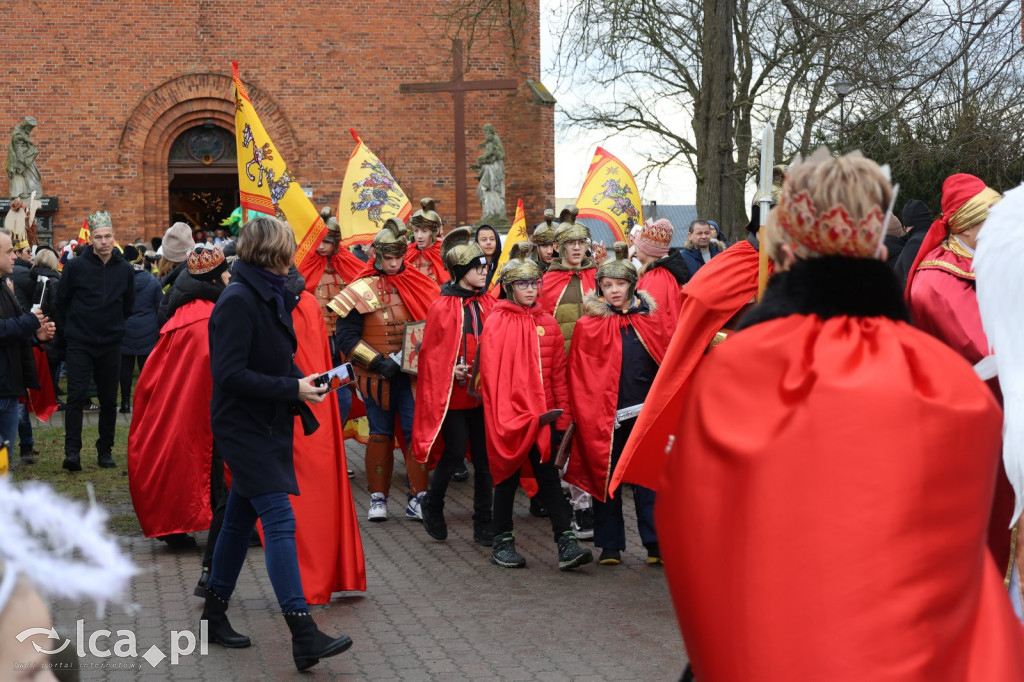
{"x": 274, "y": 510}
{"x": 550, "y": 492}
{"x": 26, "y": 441}
{"x": 609, "y": 528}
{"x": 128, "y": 363}
{"x": 102, "y": 364}
{"x": 462, "y": 429}
{"x": 218, "y": 503}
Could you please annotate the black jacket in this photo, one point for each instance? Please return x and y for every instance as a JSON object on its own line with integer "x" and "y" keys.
{"x": 186, "y": 289}
{"x": 52, "y": 284}
{"x": 694, "y": 259}
{"x": 141, "y": 331}
{"x": 675, "y": 264}
{"x": 255, "y": 392}
{"x": 95, "y": 298}
{"x": 24, "y": 285}
{"x": 17, "y": 366}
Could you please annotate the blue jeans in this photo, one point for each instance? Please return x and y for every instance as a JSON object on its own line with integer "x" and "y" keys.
{"x": 402, "y": 403}
{"x": 609, "y": 527}
{"x": 26, "y": 441}
{"x": 10, "y": 413}
{"x": 275, "y": 511}
{"x": 344, "y": 403}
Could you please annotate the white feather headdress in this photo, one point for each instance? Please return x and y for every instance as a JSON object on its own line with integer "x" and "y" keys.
{"x": 999, "y": 268}
{"x": 61, "y": 546}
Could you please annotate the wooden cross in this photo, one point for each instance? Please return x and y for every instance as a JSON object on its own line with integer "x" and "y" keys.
{"x": 458, "y": 88}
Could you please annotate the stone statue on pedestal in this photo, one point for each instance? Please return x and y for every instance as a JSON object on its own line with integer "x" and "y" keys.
{"x": 490, "y": 169}
{"x": 21, "y": 162}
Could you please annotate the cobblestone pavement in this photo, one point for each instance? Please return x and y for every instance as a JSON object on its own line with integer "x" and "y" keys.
{"x": 432, "y": 610}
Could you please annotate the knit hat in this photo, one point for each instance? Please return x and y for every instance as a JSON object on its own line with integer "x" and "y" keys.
{"x": 178, "y": 242}
{"x": 205, "y": 263}
{"x": 916, "y": 214}
{"x": 654, "y": 238}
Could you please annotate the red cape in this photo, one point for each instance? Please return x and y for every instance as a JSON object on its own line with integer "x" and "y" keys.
{"x": 344, "y": 263}
{"x": 416, "y": 289}
{"x": 819, "y": 540}
{"x": 413, "y": 255}
{"x": 42, "y": 402}
{"x": 710, "y": 299}
{"x": 168, "y": 474}
{"x": 555, "y": 282}
{"x": 326, "y": 529}
{"x": 513, "y": 389}
{"x": 665, "y": 290}
{"x": 595, "y": 366}
{"x": 439, "y": 351}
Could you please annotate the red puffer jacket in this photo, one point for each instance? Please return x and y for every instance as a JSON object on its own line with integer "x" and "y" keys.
{"x": 554, "y": 367}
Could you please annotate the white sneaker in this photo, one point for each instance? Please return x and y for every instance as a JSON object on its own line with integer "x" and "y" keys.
{"x": 378, "y": 507}
{"x": 414, "y": 510}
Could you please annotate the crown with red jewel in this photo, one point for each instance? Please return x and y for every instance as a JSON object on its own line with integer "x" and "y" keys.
{"x": 206, "y": 262}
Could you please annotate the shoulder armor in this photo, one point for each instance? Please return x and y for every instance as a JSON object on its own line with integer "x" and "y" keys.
{"x": 361, "y": 295}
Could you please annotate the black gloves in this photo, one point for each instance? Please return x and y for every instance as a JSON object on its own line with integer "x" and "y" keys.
{"x": 385, "y": 366}
{"x": 557, "y": 435}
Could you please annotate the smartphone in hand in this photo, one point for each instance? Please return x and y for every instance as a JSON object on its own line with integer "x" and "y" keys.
{"x": 342, "y": 375}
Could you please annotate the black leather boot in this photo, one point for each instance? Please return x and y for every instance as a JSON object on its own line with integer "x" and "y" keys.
{"x": 309, "y": 645}
{"x": 433, "y": 517}
{"x": 220, "y": 630}
{"x": 202, "y": 586}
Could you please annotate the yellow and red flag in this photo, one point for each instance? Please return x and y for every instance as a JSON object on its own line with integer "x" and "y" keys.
{"x": 84, "y": 235}
{"x": 516, "y": 234}
{"x": 264, "y": 182}
{"x": 369, "y": 196}
{"x": 610, "y": 195}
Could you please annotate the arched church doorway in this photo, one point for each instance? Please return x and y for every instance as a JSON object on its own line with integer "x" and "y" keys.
{"x": 202, "y": 171}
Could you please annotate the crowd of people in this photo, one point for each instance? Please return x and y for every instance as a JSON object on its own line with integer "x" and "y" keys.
{"x": 803, "y": 536}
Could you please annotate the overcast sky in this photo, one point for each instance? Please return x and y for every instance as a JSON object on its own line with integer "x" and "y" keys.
{"x": 575, "y": 149}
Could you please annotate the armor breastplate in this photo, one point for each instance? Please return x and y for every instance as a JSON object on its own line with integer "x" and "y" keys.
{"x": 330, "y": 286}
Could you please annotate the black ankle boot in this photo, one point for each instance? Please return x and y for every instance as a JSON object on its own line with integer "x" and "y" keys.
{"x": 309, "y": 645}
{"x": 204, "y": 582}
{"x": 220, "y": 630}
{"x": 433, "y": 517}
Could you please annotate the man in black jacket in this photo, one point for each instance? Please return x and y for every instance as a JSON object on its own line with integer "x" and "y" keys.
{"x": 917, "y": 218}
{"x": 94, "y": 298}
{"x": 17, "y": 328}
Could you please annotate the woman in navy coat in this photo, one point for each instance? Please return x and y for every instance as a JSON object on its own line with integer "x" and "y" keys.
{"x": 257, "y": 391}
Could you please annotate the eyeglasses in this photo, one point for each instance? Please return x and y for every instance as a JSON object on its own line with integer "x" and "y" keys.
{"x": 525, "y": 284}
{"x": 480, "y": 269}
{"x": 576, "y": 242}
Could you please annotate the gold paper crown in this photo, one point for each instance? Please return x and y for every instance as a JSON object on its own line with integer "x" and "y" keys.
{"x": 459, "y": 248}
{"x": 619, "y": 266}
{"x": 203, "y": 260}
{"x": 99, "y": 219}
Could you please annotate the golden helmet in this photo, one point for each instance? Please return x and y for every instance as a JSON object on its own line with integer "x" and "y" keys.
{"x": 427, "y": 216}
{"x": 392, "y": 240}
{"x": 519, "y": 267}
{"x": 619, "y": 266}
{"x": 568, "y": 214}
{"x": 544, "y": 233}
{"x": 459, "y": 251}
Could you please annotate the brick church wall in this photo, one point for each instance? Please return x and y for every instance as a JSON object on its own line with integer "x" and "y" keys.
{"x": 112, "y": 84}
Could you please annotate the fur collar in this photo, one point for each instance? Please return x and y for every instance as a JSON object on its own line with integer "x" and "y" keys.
{"x": 830, "y": 287}
{"x": 594, "y": 305}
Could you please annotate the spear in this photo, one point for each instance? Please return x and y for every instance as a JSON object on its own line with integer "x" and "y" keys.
{"x": 764, "y": 200}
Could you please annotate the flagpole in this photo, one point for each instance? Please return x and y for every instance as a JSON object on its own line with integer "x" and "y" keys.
{"x": 764, "y": 201}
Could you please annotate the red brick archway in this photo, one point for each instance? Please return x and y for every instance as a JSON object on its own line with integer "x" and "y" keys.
{"x": 173, "y": 107}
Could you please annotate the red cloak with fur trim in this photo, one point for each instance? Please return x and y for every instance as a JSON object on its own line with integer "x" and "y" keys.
{"x": 435, "y": 382}
{"x": 432, "y": 254}
{"x": 515, "y": 391}
{"x": 326, "y": 528}
{"x": 713, "y": 296}
{"x": 170, "y": 443}
{"x": 595, "y": 365}
{"x": 818, "y": 540}
{"x": 344, "y": 263}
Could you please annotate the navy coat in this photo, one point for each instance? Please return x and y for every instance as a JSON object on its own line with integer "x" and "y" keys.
{"x": 255, "y": 387}
{"x": 141, "y": 330}
{"x": 694, "y": 259}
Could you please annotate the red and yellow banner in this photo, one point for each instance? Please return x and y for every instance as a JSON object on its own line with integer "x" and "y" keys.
{"x": 264, "y": 182}
{"x": 369, "y": 196}
{"x": 610, "y": 195}
{"x": 516, "y": 234}
{"x": 84, "y": 234}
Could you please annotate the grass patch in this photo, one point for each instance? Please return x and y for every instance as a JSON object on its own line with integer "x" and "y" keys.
{"x": 110, "y": 485}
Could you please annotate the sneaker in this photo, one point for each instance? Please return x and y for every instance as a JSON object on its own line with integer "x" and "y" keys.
{"x": 378, "y": 507}
{"x": 105, "y": 460}
{"x": 582, "y": 523}
{"x": 483, "y": 533}
{"x": 72, "y": 463}
{"x": 653, "y": 553}
{"x": 92, "y": 407}
{"x": 610, "y": 557}
{"x": 28, "y": 456}
{"x": 351, "y": 474}
{"x": 504, "y": 554}
{"x": 433, "y": 518}
{"x": 537, "y": 507}
{"x": 461, "y": 473}
{"x": 414, "y": 510}
{"x": 570, "y": 554}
